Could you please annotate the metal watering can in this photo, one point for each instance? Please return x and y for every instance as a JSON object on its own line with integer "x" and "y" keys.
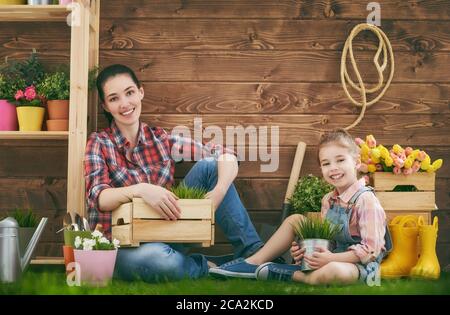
{"x": 11, "y": 264}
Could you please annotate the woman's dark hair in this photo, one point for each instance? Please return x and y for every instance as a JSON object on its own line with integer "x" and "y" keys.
{"x": 108, "y": 73}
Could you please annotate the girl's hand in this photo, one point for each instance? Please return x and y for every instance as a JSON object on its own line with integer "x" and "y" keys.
{"x": 297, "y": 253}
{"x": 216, "y": 195}
{"x": 319, "y": 258}
{"x": 162, "y": 200}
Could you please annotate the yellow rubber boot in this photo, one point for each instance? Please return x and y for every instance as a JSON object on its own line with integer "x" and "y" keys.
{"x": 428, "y": 264}
{"x": 404, "y": 231}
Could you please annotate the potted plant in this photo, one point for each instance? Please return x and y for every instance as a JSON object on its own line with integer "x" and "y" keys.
{"x": 308, "y": 194}
{"x": 313, "y": 232}
{"x": 30, "y": 112}
{"x": 8, "y": 113}
{"x": 97, "y": 257}
{"x": 28, "y": 222}
{"x": 55, "y": 88}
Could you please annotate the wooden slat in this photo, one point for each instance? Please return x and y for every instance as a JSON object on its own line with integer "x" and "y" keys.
{"x": 416, "y": 131}
{"x": 273, "y": 66}
{"x": 34, "y": 135}
{"x": 222, "y": 34}
{"x": 276, "y": 9}
{"x": 281, "y": 34}
{"x": 124, "y": 212}
{"x": 47, "y": 261}
{"x": 286, "y": 98}
{"x": 193, "y": 209}
{"x": 47, "y": 13}
{"x": 123, "y": 233}
{"x": 184, "y": 231}
{"x": 388, "y": 181}
{"x": 407, "y": 201}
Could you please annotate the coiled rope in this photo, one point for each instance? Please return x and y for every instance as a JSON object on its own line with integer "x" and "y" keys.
{"x": 383, "y": 45}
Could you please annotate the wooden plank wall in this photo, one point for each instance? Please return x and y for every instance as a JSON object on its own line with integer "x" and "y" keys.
{"x": 251, "y": 62}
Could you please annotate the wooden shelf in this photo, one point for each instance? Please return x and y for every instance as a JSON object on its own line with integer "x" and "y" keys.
{"x": 47, "y": 261}
{"x": 33, "y": 13}
{"x": 35, "y": 135}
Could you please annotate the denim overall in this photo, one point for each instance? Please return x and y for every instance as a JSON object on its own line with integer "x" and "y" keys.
{"x": 341, "y": 216}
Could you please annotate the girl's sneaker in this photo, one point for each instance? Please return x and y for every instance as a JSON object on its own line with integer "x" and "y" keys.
{"x": 273, "y": 271}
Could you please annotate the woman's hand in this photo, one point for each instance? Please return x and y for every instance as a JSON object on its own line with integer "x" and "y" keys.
{"x": 160, "y": 199}
{"x": 319, "y": 258}
{"x": 216, "y": 195}
{"x": 297, "y": 253}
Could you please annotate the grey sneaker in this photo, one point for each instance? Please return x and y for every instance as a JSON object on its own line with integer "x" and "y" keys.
{"x": 278, "y": 272}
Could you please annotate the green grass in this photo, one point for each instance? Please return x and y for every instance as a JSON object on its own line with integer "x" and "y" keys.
{"x": 54, "y": 283}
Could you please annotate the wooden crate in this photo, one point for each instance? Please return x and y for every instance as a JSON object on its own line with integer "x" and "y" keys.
{"x": 136, "y": 222}
{"x": 395, "y": 203}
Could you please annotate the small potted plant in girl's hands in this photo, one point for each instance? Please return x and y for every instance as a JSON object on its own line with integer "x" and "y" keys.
{"x": 55, "y": 87}
{"x": 308, "y": 194}
{"x": 97, "y": 258}
{"x": 314, "y": 232}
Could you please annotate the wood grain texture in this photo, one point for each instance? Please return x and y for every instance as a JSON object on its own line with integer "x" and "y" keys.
{"x": 417, "y": 130}
{"x": 243, "y": 34}
{"x": 272, "y": 66}
{"x": 274, "y": 9}
{"x": 287, "y": 98}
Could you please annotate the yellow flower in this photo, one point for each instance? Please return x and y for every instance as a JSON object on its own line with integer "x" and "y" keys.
{"x": 437, "y": 164}
{"x": 371, "y": 142}
{"x": 375, "y": 154}
{"x": 426, "y": 163}
{"x": 388, "y": 161}
{"x": 371, "y": 168}
{"x": 397, "y": 149}
{"x": 384, "y": 153}
{"x": 409, "y": 162}
{"x": 364, "y": 149}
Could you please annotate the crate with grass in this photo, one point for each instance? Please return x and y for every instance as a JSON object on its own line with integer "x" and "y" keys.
{"x": 412, "y": 194}
{"x": 137, "y": 222}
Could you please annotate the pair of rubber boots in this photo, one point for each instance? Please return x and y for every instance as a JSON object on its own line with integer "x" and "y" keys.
{"x": 405, "y": 260}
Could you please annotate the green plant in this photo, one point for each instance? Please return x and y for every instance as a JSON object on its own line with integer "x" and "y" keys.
{"x": 308, "y": 194}
{"x": 55, "y": 86}
{"x": 96, "y": 242}
{"x": 25, "y": 218}
{"x": 316, "y": 228}
{"x": 92, "y": 77}
{"x": 184, "y": 192}
{"x": 9, "y": 87}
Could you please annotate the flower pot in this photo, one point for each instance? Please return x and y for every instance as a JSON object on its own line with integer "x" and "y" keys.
{"x": 68, "y": 256}
{"x": 63, "y": 2}
{"x": 58, "y": 109}
{"x": 13, "y": 2}
{"x": 42, "y": 2}
{"x": 8, "y": 116}
{"x": 96, "y": 266}
{"x": 30, "y": 118}
{"x": 310, "y": 245}
{"x": 58, "y": 125}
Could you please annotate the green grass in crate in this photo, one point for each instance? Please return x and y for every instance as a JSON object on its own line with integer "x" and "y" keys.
{"x": 54, "y": 282}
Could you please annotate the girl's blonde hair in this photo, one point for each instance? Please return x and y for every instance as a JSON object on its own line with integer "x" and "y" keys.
{"x": 340, "y": 137}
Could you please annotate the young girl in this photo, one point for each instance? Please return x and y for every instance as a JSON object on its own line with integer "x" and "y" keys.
{"x": 360, "y": 245}
{"x": 131, "y": 159}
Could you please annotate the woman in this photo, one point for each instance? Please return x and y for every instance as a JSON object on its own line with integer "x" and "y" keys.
{"x": 130, "y": 159}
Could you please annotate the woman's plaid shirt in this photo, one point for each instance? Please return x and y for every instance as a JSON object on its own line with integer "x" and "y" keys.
{"x": 151, "y": 161}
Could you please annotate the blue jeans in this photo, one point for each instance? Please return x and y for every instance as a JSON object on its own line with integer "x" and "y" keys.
{"x": 160, "y": 261}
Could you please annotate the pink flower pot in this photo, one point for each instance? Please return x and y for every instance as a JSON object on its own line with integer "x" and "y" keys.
{"x": 8, "y": 116}
{"x": 96, "y": 266}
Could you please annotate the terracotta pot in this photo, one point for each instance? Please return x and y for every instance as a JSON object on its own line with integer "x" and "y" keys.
{"x": 8, "y": 116}
{"x": 58, "y": 125}
{"x": 58, "y": 109}
{"x": 30, "y": 118}
{"x": 96, "y": 266}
